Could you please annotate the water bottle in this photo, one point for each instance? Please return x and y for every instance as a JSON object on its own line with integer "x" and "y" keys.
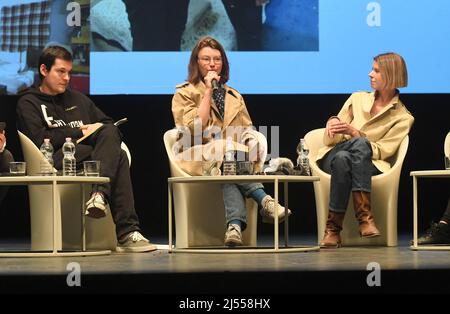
{"x": 69, "y": 162}
{"x": 46, "y": 164}
{"x": 229, "y": 164}
{"x": 303, "y": 159}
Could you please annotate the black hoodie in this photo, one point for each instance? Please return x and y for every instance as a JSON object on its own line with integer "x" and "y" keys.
{"x": 41, "y": 116}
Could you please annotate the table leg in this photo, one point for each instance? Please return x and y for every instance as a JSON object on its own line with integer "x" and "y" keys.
{"x": 83, "y": 218}
{"x": 276, "y": 244}
{"x": 54, "y": 201}
{"x": 415, "y": 213}
{"x": 169, "y": 201}
{"x": 286, "y": 215}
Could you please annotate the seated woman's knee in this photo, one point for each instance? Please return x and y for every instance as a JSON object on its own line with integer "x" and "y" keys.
{"x": 362, "y": 144}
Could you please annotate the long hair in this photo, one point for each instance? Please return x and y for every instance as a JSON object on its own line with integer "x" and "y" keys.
{"x": 194, "y": 75}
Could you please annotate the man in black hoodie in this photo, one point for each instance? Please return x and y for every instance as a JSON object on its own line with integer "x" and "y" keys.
{"x": 53, "y": 111}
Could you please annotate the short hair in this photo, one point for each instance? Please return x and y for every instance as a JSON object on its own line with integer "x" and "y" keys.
{"x": 393, "y": 69}
{"x": 50, "y": 54}
{"x": 194, "y": 75}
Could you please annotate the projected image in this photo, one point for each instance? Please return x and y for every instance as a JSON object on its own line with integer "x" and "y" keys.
{"x": 176, "y": 25}
{"x": 26, "y": 27}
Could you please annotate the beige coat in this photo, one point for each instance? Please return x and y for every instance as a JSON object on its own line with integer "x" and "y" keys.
{"x": 385, "y": 130}
{"x": 205, "y": 142}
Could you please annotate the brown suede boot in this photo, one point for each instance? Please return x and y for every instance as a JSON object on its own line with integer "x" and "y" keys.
{"x": 332, "y": 238}
{"x": 361, "y": 205}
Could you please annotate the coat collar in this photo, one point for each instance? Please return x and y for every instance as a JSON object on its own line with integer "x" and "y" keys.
{"x": 393, "y": 103}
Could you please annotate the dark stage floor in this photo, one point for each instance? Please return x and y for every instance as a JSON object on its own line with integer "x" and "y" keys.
{"x": 344, "y": 270}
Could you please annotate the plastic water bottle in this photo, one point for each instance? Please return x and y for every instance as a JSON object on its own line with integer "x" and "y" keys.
{"x": 229, "y": 164}
{"x": 303, "y": 159}
{"x": 46, "y": 164}
{"x": 69, "y": 162}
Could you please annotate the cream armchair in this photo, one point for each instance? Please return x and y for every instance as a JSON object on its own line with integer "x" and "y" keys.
{"x": 100, "y": 233}
{"x": 384, "y": 197}
{"x": 199, "y": 209}
{"x": 447, "y": 146}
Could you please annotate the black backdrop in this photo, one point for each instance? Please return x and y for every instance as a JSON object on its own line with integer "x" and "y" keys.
{"x": 150, "y": 116}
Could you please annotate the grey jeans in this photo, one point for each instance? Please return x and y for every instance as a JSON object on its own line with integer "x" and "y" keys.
{"x": 351, "y": 168}
{"x": 234, "y": 200}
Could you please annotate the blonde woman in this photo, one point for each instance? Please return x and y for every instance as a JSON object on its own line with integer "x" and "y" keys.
{"x": 359, "y": 140}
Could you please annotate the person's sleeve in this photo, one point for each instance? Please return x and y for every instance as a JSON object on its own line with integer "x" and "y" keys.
{"x": 185, "y": 111}
{"x": 344, "y": 115}
{"x": 97, "y": 115}
{"x": 31, "y": 123}
{"x": 389, "y": 144}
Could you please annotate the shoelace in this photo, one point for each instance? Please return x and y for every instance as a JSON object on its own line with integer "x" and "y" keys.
{"x": 137, "y": 236}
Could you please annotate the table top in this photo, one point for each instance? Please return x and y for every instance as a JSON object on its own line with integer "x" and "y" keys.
{"x": 243, "y": 178}
{"x": 51, "y": 179}
{"x": 431, "y": 173}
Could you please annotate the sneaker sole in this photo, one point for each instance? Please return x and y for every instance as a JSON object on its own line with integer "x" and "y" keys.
{"x": 270, "y": 220}
{"x": 96, "y": 213}
{"x": 148, "y": 248}
{"x": 232, "y": 243}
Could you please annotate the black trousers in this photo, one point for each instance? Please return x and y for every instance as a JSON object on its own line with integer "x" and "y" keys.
{"x": 5, "y": 158}
{"x": 104, "y": 145}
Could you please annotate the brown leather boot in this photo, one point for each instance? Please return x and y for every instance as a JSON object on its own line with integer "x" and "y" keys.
{"x": 332, "y": 238}
{"x": 361, "y": 205}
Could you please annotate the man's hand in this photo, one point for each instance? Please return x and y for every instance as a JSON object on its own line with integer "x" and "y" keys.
{"x": 90, "y": 128}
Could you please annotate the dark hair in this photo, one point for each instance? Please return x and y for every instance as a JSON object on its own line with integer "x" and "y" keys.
{"x": 194, "y": 75}
{"x": 50, "y": 54}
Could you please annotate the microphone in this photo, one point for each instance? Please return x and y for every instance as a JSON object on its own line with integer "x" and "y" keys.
{"x": 215, "y": 84}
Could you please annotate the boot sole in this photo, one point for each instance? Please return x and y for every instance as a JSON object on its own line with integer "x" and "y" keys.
{"x": 370, "y": 235}
{"x": 330, "y": 246}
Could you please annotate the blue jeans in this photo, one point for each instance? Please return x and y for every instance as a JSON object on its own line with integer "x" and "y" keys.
{"x": 351, "y": 168}
{"x": 234, "y": 200}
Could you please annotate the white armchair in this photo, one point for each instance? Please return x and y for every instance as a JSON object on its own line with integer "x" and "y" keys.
{"x": 199, "y": 209}
{"x": 100, "y": 233}
{"x": 383, "y": 197}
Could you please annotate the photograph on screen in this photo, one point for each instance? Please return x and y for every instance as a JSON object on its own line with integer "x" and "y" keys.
{"x": 176, "y": 25}
{"x": 27, "y": 27}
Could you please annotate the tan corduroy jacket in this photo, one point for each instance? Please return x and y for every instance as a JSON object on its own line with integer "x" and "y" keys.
{"x": 385, "y": 130}
{"x": 206, "y": 141}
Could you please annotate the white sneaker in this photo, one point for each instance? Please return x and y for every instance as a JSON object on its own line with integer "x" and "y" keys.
{"x": 96, "y": 206}
{"x": 134, "y": 242}
{"x": 233, "y": 235}
{"x": 268, "y": 210}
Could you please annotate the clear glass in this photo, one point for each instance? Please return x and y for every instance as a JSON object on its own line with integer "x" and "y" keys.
{"x": 91, "y": 168}
{"x": 18, "y": 167}
{"x": 447, "y": 162}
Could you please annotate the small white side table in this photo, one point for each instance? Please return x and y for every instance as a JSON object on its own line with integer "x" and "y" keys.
{"x": 275, "y": 179}
{"x": 424, "y": 174}
{"x": 54, "y": 181}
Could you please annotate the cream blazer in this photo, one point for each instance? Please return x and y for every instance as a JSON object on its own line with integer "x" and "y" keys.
{"x": 385, "y": 131}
